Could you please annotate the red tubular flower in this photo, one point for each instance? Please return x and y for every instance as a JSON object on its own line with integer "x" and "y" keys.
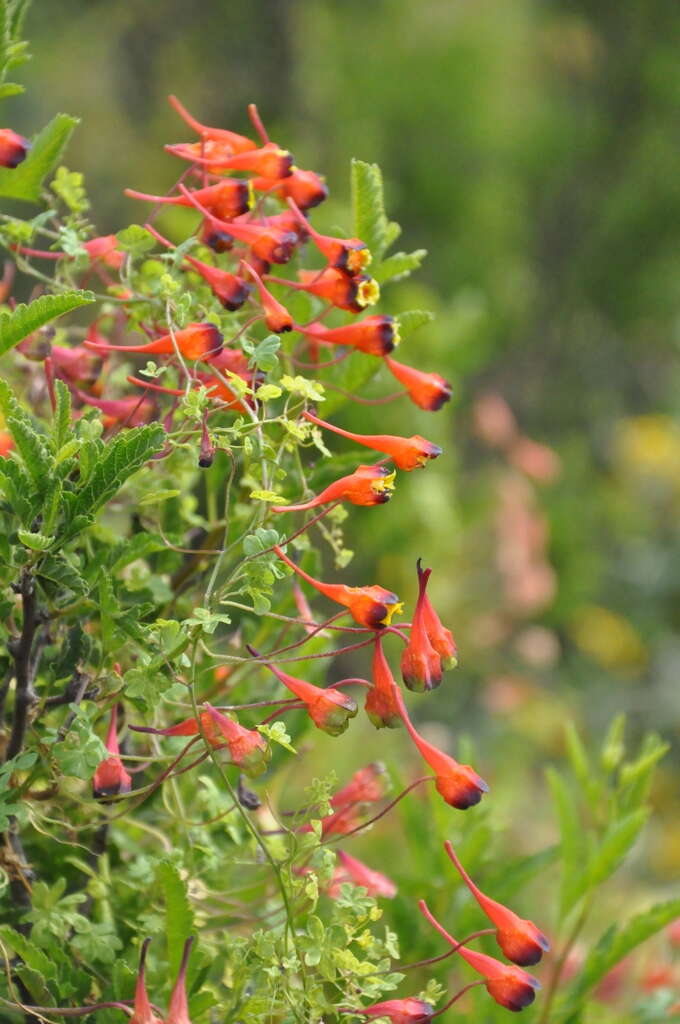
{"x": 329, "y": 709}
{"x": 269, "y": 161}
{"x": 307, "y": 188}
{"x": 248, "y": 749}
{"x": 510, "y": 986}
{"x": 234, "y": 361}
{"x": 143, "y": 1014}
{"x": 365, "y": 787}
{"x": 128, "y": 412}
{"x": 104, "y": 250}
{"x": 228, "y": 140}
{"x": 376, "y": 335}
{"x": 440, "y": 637}
{"x": 350, "y": 293}
{"x": 13, "y": 148}
{"x": 458, "y": 784}
{"x": 110, "y": 778}
{"x": 267, "y": 241}
{"x": 358, "y": 873}
{"x": 276, "y": 316}
{"x": 381, "y": 704}
{"x": 367, "y": 485}
{"x": 421, "y": 667}
{"x": 195, "y": 341}
{"x": 229, "y": 198}
{"x": 520, "y": 940}
{"x": 369, "y": 606}
{"x": 348, "y": 254}
{"x": 6, "y": 444}
{"x": 427, "y": 390}
{"x": 75, "y": 364}
{"x": 230, "y": 290}
{"x": 178, "y": 1008}
{"x": 214, "y": 238}
{"x": 398, "y": 1011}
{"x": 407, "y": 453}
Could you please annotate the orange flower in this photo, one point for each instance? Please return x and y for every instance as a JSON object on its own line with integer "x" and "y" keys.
{"x": 307, "y": 188}
{"x": 269, "y": 242}
{"x": 126, "y": 412}
{"x": 229, "y": 198}
{"x": 440, "y": 637}
{"x": 407, "y": 453}
{"x": 13, "y": 148}
{"x": 228, "y": 140}
{"x": 354, "y": 871}
{"x": 510, "y": 986}
{"x": 329, "y": 709}
{"x": 195, "y": 341}
{"x": 369, "y": 606}
{"x": 277, "y": 318}
{"x": 366, "y": 786}
{"x": 348, "y": 254}
{"x": 6, "y": 444}
{"x": 520, "y": 940}
{"x": 104, "y": 249}
{"x": 350, "y": 293}
{"x": 110, "y": 778}
{"x": 367, "y": 485}
{"x": 178, "y": 1008}
{"x": 398, "y": 1011}
{"x": 458, "y": 784}
{"x": 427, "y": 390}
{"x": 269, "y": 161}
{"x": 143, "y": 1014}
{"x": 376, "y": 335}
{"x": 421, "y": 666}
{"x": 381, "y": 705}
{"x": 232, "y": 291}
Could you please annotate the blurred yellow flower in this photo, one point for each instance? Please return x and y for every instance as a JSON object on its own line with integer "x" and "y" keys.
{"x": 608, "y": 638}
{"x": 650, "y": 445}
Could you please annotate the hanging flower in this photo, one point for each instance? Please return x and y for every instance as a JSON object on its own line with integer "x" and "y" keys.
{"x": 195, "y": 341}
{"x": 110, "y": 778}
{"x": 407, "y": 453}
{"x": 352, "y": 870}
{"x": 329, "y": 709}
{"x": 427, "y": 390}
{"x": 376, "y": 335}
{"x": 421, "y": 666}
{"x": 381, "y": 704}
{"x": 229, "y": 198}
{"x": 13, "y": 148}
{"x": 367, "y": 485}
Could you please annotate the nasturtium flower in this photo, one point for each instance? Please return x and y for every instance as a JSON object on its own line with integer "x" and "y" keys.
{"x": 13, "y": 148}
{"x": 350, "y": 293}
{"x": 367, "y": 485}
{"x": 348, "y": 254}
{"x": 407, "y": 453}
{"x": 110, "y": 777}
{"x": 520, "y": 940}
{"x": 178, "y": 1007}
{"x": 229, "y": 198}
{"x": 440, "y": 637}
{"x": 376, "y": 335}
{"x": 421, "y": 666}
{"x": 142, "y": 1011}
{"x": 231, "y": 141}
{"x": 428, "y": 390}
{"x": 398, "y": 1011}
{"x": 381, "y": 704}
{"x": 307, "y": 188}
{"x": 369, "y": 606}
{"x": 509, "y": 985}
{"x": 124, "y": 412}
{"x": 195, "y": 341}
{"x": 355, "y": 871}
{"x": 276, "y": 316}
{"x": 268, "y": 161}
{"x": 329, "y": 709}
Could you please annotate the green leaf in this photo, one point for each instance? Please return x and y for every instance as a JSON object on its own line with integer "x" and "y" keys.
{"x": 60, "y": 580}
{"x": 123, "y": 455}
{"x": 370, "y": 221}
{"x": 29, "y": 953}
{"x": 135, "y": 239}
{"x": 179, "y": 918}
{"x": 16, "y": 326}
{"x": 25, "y": 181}
{"x": 35, "y": 541}
{"x": 10, "y": 89}
{"x": 616, "y": 843}
{"x": 412, "y": 319}
{"x": 615, "y": 944}
{"x": 572, "y": 842}
{"x": 61, "y": 425}
{"x": 400, "y": 265}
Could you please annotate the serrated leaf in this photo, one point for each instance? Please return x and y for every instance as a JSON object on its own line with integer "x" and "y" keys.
{"x": 10, "y": 89}
{"x": 25, "y": 181}
{"x": 29, "y": 953}
{"x": 61, "y": 425}
{"x": 412, "y": 319}
{"x": 25, "y": 319}
{"x": 616, "y": 843}
{"x": 401, "y": 264}
{"x": 36, "y": 457}
{"x": 60, "y": 579}
{"x": 35, "y": 541}
{"x": 122, "y": 456}
{"x": 179, "y": 919}
{"x": 370, "y": 222}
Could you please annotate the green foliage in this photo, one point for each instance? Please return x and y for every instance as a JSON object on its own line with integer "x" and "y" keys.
{"x": 22, "y": 321}
{"x": 179, "y": 920}
{"x": 25, "y": 181}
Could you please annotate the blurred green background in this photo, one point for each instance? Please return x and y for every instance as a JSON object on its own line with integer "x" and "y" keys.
{"x": 533, "y": 149}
